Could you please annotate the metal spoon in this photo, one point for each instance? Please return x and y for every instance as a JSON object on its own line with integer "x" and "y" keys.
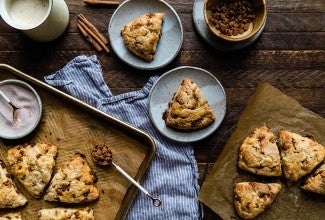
{"x": 155, "y": 201}
{"x": 103, "y": 156}
{"x": 15, "y": 109}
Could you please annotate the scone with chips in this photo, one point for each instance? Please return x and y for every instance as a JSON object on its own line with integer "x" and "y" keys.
{"x": 141, "y": 36}
{"x": 75, "y": 182}
{"x": 33, "y": 165}
{"x": 189, "y": 109}
{"x": 259, "y": 153}
{"x": 299, "y": 155}
{"x": 9, "y": 195}
{"x": 11, "y": 216}
{"x": 316, "y": 181}
{"x": 66, "y": 213}
{"x": 252, "y": 198}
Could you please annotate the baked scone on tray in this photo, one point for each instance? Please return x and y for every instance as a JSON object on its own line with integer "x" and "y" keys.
{"x": 299, "y": 155}
{"x": 66, "y": 213}
{"x": 11, "y": 216}
{"x": 33, "y": 164}
{"x": 259, "y": 153}
{"x": 142, "y": 35}
{"x": 9, "y": 195}
{"x": 252, "y": 198}
{"x": 189, "y": 109}
{"x": 315, "y": 182}
{"x": 74, "y": 182}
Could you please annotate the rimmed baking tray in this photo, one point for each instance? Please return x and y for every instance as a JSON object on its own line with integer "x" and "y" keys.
{"x": 75, "y": 126}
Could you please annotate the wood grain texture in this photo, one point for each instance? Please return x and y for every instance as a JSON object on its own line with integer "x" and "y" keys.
{"x": 289, "y": 54}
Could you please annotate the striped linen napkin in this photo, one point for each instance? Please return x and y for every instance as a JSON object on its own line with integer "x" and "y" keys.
{"x": 173, "y": 174}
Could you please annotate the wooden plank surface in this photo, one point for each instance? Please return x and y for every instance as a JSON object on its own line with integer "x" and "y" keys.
{"x": 290, "y": 55}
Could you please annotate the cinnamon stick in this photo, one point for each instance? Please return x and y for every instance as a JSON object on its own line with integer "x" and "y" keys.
{"x": 89, "y": 38}
{"x": 92, "y": 28}
{"x": 101, "y": 2}
{"x": 101, "y": 43}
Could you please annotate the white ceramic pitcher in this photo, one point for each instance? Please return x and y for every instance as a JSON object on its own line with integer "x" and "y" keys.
{"x": 40, "y": 20}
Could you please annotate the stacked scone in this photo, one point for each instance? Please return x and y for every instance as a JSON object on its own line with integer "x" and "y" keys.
{"x": 264, "y": 154}
{"x": 33, "y": 165}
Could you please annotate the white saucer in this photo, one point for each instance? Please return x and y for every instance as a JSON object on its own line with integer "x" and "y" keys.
{"x": 212, "y": 40}
{"x": 162, "y": 93}
{"x": 170, "y": 41}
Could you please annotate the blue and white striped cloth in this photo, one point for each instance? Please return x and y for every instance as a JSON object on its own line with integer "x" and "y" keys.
{"x": 173, "y": 174}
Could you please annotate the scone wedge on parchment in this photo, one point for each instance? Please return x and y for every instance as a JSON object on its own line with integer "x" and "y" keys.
{"x": 315, "y": 182}
{"x": 259, "y": 153}
{"x": 189, "y": 109}
{"x": 9, "y": 195}
{"x": 299, "y": 155}
{"x": 11, "y": 216}
{"x": 252, "y": 198}
{"x": 33, "y": 164}
{"x": 74, "y": 182}
{"x": 141, "y": 36}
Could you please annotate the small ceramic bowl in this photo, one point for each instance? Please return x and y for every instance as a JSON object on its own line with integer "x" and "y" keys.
{"x": 255, "y": 28}
{"x": 16, "y": 124}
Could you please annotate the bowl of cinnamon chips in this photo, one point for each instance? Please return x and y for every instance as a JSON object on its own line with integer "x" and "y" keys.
{"x": 235, "y": 20}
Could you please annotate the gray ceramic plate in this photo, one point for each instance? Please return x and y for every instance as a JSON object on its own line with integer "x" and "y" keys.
{"x": 162, "y": 93}
{"x": 207, "y": 35}
{"x": 170, "y": 41}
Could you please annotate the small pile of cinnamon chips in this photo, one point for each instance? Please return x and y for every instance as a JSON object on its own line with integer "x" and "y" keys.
{"x": 231, "y": 17}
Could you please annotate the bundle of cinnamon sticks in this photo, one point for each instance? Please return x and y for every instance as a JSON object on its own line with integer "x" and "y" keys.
{"x": 92, "y": 35}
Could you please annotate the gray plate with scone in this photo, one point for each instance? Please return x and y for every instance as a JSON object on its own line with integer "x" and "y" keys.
{"x": 170, "y": 39}
{"x": 163, "y": 91}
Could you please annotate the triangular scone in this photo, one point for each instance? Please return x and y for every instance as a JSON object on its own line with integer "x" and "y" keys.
{"x": 9, "y": 195}
{"x": 66, "y": 213}
{"x": 73, "y": 183}
{"x": 33, "y": 165}
{"x": 141, "y": 36}
{"x": 299, "y": 155}
{"x": 252, "y": 198}
{"x": 189, "y": 109}
{"x": 259, "y": 153}
{"x": 316, "y": 181}
{"x": 11, "y": 216}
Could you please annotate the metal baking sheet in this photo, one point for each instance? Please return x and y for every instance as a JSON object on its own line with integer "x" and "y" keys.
{"x": 75, "y": 126}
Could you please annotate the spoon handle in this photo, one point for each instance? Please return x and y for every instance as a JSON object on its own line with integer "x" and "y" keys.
{"x": 5, "y": 97}
{"x": 156, "y": 201}
{"x": 130, "y": 178}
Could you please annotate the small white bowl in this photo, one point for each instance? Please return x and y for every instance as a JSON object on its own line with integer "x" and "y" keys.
{"x": 23, "y": 96}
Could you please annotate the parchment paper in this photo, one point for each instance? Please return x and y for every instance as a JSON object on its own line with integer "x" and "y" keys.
{"x": 75, "y": 130}
{"x": 278, "y": 111}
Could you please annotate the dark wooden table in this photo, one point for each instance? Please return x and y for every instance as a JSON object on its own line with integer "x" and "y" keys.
{"x": 290, "y": 55}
